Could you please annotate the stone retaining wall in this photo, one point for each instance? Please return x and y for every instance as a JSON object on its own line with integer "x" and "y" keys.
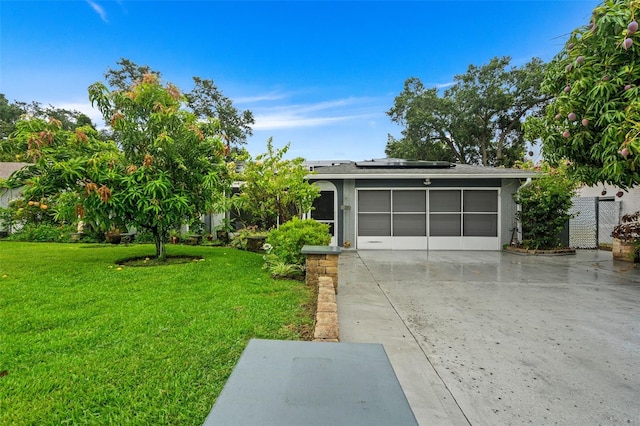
{"x": 326, "y": 324}
{"x": 624, "y": 251}
{"x": 319, "y": 265}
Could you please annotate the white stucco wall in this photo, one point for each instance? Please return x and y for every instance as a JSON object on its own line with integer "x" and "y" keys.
{"x": 629, "y": 202}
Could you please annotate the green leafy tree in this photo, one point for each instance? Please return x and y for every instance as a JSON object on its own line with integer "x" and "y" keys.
{"x": 594, "y": 119}
{"x": 478, "y": 120}
{"x": 205, "y": 100}
{"x": 544, "y": 205}
{"x": 275, "y": 189}
{"x": 127, "y": 74}
{"x": 59, "y": 160}
{"x": 11, "y": 113}
{"x": 171, "y": 166}
{"x": 165, "y": 170}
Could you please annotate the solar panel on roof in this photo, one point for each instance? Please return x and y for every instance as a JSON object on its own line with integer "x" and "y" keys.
{"x": 394, "y": 163}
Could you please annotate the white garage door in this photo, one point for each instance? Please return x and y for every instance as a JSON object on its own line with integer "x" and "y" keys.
{"x": 435, "y": 219}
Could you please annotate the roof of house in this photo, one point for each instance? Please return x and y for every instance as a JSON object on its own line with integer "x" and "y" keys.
{"x": 398, "y": 169}
{"x": 6, "y": 168}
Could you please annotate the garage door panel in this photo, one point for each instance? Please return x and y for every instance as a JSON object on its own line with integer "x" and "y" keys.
{"x": 445, "y": 243}
{"x": 444, "y": 225}
{"x": 374, "y": 201}
{"x": 409, "y": 243}
{"x": 410, "y": 201}
{"x": 374, "y": 224}
{"x": 480, "y": 225}
{"x": 480, "y": 201}
{"x": 374, "y": 243}
{"x": 480, "y": 243}
{"x": 409, "y": 225}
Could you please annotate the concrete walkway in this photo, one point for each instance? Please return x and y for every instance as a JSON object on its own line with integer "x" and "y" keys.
{"x": 488, "y": 338}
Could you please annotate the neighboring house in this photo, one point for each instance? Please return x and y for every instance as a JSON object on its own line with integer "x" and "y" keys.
{"x": 417, "y": 205}
{"x": 597, "y": 209}
{"x": 6, "y": 194}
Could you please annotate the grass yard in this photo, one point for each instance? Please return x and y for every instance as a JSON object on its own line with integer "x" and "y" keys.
{"x": 82, "y": 342}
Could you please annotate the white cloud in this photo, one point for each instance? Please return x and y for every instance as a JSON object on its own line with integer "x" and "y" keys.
{"x": 444, "y": 85}
{"x": 286, "y": 121}
{"x": 98, "y": 9}
{"x": 261, "y": 98}
{"x": 84, "y": 107}
{"x": 312, "y": 115}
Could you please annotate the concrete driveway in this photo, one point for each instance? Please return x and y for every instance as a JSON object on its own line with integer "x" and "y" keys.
{"x": 491, "y": 338}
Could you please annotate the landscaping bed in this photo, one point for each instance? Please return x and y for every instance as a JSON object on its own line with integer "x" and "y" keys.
{"x": 560, "y": 251}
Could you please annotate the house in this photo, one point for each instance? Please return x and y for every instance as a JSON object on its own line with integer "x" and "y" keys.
{"x": 8, "y": 194}
{"x": 417, "y": 205}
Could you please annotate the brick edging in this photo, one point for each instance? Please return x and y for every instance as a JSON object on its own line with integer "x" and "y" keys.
{"x": 326, "y": 327}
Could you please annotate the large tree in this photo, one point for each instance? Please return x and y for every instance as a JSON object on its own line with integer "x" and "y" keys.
{"x": 478, "y": 120}
{"x": 166, "y": 168}
{"x": 171, "y": 168}
{"x": 594, "y": 119}
{"x": 9, "y": 114}
{"x": 205, "y": 100}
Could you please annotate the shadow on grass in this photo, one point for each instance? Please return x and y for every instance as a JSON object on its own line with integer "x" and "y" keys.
{"x": 146, "y": 261}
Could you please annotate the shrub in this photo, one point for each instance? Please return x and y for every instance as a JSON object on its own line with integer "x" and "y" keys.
{"x": 545, "y": 204}
{"x": 287, "y": 241}
{"x": 279, "y": 269}
{"x": 144, "y": 237}
{"x": 239, "y": 240}
{"x": 8, "y": 220}
{"x": 44, "y": 232}
{"x": 629, "y": 228}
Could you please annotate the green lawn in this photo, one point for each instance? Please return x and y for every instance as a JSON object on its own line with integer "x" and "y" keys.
{"x": 82, "y": 342}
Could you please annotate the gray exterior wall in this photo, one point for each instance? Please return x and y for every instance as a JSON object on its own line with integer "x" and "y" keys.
{"x": 349, "y": 212}
{"x": 347, "y": 199}
{"x": 508, "y": 209}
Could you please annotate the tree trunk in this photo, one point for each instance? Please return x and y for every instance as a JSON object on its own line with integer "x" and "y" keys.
{"x": 160, "y": 249}
{"x": 483, "y": 148}
{"x": 503, "y": 137}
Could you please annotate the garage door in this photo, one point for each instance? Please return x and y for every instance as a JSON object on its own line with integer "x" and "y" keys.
{"x": 436, "y": 219}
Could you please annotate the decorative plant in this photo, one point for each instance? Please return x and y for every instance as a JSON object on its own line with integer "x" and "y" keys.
{"x": 240, "y": 237}
{"x": 174, "y": 234}
{"x": 545, "y": 205}
{"x": 278, "y": 268}
{"x": 225, "y": 225}
{"x": 223, "y": 229}
{"x": 287, "y": 241}
{"x": 629, "y": 228}
{"x": 113, "y": 235}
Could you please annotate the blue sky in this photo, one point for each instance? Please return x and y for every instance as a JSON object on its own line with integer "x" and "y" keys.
{"x": 317, "y": 74}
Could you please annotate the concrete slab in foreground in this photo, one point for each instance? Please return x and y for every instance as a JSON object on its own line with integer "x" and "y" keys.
{"x": 366, "y": 315}
{"x": 488, "y": 338}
